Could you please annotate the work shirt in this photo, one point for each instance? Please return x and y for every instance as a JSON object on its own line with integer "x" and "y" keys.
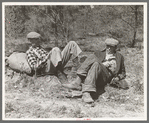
{"x": 36, "y": 56}
{"x": 110, "y": 62}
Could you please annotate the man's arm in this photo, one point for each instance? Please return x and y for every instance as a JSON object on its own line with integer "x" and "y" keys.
{"x": 42, "y": 55}
{"x": 32, "y": 59}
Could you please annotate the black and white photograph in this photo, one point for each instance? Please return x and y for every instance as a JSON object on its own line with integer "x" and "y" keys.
{"x": 74, "y": 61}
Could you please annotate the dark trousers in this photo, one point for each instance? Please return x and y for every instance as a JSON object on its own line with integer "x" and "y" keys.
{"x": 95, "y": 74}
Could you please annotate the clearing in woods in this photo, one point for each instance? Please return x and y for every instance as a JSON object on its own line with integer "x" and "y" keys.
{"x": 45, "y": 98}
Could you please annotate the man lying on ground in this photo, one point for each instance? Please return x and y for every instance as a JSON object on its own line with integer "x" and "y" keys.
{"x": 98, "y": 69}
{"x": 42, "y": 62}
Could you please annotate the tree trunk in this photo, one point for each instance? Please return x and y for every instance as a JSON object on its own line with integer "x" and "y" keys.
{"x": 84, "y": 24}
{"x": 56, "y": 40}
{"x": 134, "y": 38}
{"x": 46, "y": 8}
{"x": 66, "y": 36}
{"x": 136, "y": 24}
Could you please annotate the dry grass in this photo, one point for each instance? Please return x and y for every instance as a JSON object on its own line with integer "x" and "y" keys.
{"x": 45, "y": 98}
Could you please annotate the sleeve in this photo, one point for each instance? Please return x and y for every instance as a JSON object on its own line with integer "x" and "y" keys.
{"x": 106, "y": 64}
{"x": 31, "y": 58}
{"x": 112, "y": 66}
{"x": 42, "y": 55}
{"x": 122, "y": 73}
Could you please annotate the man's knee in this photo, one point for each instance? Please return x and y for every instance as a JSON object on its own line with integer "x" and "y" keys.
{"x": 56, "y": 49}
{"x": 96, "y": 64}
{"x": 72, "y": 42}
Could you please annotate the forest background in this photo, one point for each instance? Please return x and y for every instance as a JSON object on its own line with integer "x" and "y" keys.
{"x": 65, "y": 23}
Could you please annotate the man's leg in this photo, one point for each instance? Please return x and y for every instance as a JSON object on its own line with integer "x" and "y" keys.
{"x": 52, "y": 62}
{"x": 59, "y": 59}
{"x": 86, "y": 65}
{"x": 90, "y": 82}
{"x": 71, "y": 50}
{"x": 82, "y": 73}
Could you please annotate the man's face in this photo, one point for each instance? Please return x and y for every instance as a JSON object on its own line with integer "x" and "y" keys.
{"x": 110, "y": 49}
{"x": 35, "y": 42}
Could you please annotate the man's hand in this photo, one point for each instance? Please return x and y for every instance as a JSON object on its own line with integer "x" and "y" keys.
{"x": 106, "y": 64}
{"x": 41, "y": 65}
{"x": 114, "y": 80}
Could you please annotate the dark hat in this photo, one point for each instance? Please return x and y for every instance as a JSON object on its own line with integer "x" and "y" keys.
{"x": 111, "y": 42}
{"x": 33, "y": 35}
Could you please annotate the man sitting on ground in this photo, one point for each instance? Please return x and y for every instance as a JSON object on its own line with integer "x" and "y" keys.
{"x": 99, "y": 69}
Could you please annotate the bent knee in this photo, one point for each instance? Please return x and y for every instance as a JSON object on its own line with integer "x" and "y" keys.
{"x": 56, "y": 49}
{"x": 72, "y": 42}
{"x": 96, "y": 64}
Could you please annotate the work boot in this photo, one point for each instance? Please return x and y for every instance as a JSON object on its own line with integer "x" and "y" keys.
{"x": 74, "y": 85}
{"x": 86, "y": 97}
{"x": 62, "y": 77}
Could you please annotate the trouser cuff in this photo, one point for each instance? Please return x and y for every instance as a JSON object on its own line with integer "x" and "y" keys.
{"x": 88, "y": 88}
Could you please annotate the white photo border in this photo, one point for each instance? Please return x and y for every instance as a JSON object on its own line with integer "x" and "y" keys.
{"x": 77, "y": 3}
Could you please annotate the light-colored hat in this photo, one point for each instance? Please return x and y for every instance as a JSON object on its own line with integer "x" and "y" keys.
{"x": 33, "y": 35}
{"x": 111, "y": 42}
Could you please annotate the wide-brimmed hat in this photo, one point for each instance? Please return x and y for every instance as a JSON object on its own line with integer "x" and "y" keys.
{"x": 33, "y": 35}
{"x": 111, "y": 42}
